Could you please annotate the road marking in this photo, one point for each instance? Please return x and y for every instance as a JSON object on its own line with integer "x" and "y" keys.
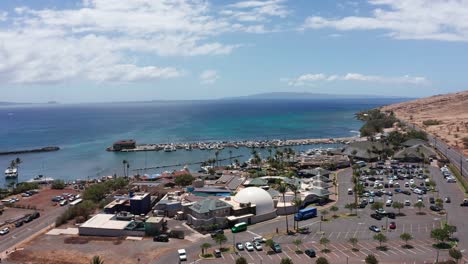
{"x": 340, "y": 250}
{"x": 255, "y": 234}
{"x": 329, "y": 236}
{"x": 259, "y": 255}
{"x": 248, "y": 253}
{"x": 231, "y": 256}
{"x": 347, "y": 233}
{"x": 411, "y": 228}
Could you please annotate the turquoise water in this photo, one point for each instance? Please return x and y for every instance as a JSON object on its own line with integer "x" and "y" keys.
{"x": 84, "y": 131}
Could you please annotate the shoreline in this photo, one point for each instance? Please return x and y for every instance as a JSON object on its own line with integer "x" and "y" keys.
{"x": 219, "y": 145}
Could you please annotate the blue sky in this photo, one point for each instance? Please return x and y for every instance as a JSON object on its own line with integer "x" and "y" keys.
{"x": 114, "y": 50}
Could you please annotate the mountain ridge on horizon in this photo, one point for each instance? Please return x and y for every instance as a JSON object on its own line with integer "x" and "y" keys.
{"x": 308, "y": 95}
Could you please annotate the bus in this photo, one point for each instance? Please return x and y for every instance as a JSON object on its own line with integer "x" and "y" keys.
{"x": 77, "y": 201}
{"x": 305, "y": 214}
{"x": 239, "y": 227}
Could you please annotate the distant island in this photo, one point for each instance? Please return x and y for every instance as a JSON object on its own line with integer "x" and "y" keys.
{"x": 308, "y": 96}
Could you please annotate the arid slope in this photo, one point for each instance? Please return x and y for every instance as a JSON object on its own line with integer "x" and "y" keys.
{"x": 450, "y": 109}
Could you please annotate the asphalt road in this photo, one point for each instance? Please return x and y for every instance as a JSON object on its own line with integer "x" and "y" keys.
{"x": 338, "y": 231}
{"x": 28, "y": 230}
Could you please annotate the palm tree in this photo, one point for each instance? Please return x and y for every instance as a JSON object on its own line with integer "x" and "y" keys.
{"x": 220, "y": 239}
{"x": 334, "y": 209}
{"x": 297, "y": 202}
{"x": 128, "y": 168}
{"x": 205, "y": 246}
{"x": 324, "y": 241}
{"x": 97, "y": 260}
{"x": 381, "y": 238}
{"x": 216, "y": 155}
{"x": 283, "y": 188}
{"x": 297, "y": 243}
{"x": 294, "y": 188}
{"x": 230, "y": 157}
{"x": 124, "y": 163}
{"x": 18, "y": 161}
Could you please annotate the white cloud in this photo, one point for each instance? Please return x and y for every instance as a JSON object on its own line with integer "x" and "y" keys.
{"x": 255, "y": 11}
{"x": 103, "y": 40}
{"x": 402, "y": 19}
{"x": 310, "y": 78}
{"x": 209, "y": 77}
{"x": 3, "y": 16}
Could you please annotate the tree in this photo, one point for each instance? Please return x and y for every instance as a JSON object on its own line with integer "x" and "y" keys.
{"x": 440, "y": 234}
{"x": 18, "y": 161}
{"x": 269, "y": 243}
{"x": 220, "y": 239}
{"x": 398, "y": 205}
{"x": 241, "y": 260}
{"x": 420, "y": 205}
{"x": 216, "y": 157}
{"x": 204, "y": 247}
{"x": 353, "y": 241}
{"x": 455, "y": 254}
{"x": 97, "y": 260}
{"x": 124, "y": 164}
{"x": 450, "y": 229}
{"x": 350, "y": 207}
{"x": 286, "y": 261}
{"x": 371, "y": 259}
{"x": 406, "y": 237}
{"x": 297, "y": 243}
{"x": 324, "y": 242}
{"x": 381, "y": 238}
{"x": 334, "y": 209}
{"x": 297, "y": 202}
{"x": 58, "y": 185}
{"x": 439, "y": 203}
{"x": 377, "y": 205}
{"x": 184, "y": 180}
{"x": 321, "y": 260}
{"x": 283, "y": 188}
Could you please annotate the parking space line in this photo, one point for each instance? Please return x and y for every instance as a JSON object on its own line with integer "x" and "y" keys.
{"x": 346, "y": 236}
{"x": 248, "y": 253}
{"x": 411, "y": 228}
{"x": 338, "y": 236}
{"x": 231, "y": 256}
{"x": 255, "y": 234}
{"x": 366, "y": 249}
{"x": 259, "y": 255}
{"x": 331, "y": 245}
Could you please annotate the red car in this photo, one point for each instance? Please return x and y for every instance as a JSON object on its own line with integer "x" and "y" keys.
{"x": 392, "y": 225}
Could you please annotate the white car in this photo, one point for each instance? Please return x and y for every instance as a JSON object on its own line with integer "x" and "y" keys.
{"x": 389, "y": 203}
{"x": 257, "y": 246}
{"x": 451, "y": 180}
{"x": 411, "y": 181}
{"x": 407, "y": 203}
{"x": 371, "y": 200}
{"x": 182, "y": 255}
{"x": 406, "y": 184}
{"x": 249, "y": 246}
{"x": 5, "y": 231}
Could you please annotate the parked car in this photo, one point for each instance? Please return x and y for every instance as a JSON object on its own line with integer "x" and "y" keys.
{"x": 240, "y": 246}
{"x": 435, "y": 208}
{"x": 371, "y": 200}
{"x": 276, "y": 248}
{"x": 310, "y": 252}
{"x": 259, "y": 239}
{"x": 182, "y": 254}
{"x": 161, "y": 238}
{"x": 5, "y": 231}
{"x": 217, "y": 253}
{"x": 447, "y": 199}
{"x": 392, "y": 225}
{"x": 258, "y": 246}
{"x": 374, "y": 228}
{"x": 217, "y": 232}
{"x": 249, "y": 246}
{"x": 19, "y": 223}
{"x": 407, "y": 203}
{"x": 431, "y": 200}
{"x": 464, "y": 203}
{"x": 380, "y": 211}
{"x": 376, "y": 216}
{"x": 391, "y": 215}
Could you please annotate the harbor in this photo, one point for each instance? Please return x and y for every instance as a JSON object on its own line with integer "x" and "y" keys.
{"x": 132, "y": 146}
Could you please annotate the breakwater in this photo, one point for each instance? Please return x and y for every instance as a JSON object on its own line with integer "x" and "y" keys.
{"x": 25, "y": 151}
{"x": 170, "y": 147}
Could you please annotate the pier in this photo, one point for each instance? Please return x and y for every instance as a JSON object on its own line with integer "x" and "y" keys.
{"x": 15, "y": 152}
{"x": 170, "y": 147}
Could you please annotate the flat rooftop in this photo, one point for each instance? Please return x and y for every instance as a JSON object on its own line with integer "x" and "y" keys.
{"x": 105, "y": 221}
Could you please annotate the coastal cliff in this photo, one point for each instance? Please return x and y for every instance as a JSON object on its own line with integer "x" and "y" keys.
{"x": 444, "y": 116}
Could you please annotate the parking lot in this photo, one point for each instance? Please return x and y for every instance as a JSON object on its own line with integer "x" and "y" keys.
{"x": 339, "y": 230}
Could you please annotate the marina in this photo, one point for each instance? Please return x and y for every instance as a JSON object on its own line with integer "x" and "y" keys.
{"x": 131, "y": 146}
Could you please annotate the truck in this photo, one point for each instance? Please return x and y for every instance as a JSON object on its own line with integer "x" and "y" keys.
{"x": 306, "y": 213}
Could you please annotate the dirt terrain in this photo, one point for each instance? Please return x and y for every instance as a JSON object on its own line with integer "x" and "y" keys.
{"x": 43, "y": 200}
{"x": 450, "y": 109}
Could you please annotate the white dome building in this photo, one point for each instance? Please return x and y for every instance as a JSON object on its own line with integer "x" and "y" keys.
{"x": 261, "y": 198}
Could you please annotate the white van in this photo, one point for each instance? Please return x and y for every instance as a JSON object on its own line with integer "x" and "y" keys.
{"x": 350, "y": 191}
{"x": 182, "y": 254}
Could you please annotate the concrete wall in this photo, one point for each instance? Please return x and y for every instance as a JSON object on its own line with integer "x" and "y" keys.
{"x": 88, "y": 231}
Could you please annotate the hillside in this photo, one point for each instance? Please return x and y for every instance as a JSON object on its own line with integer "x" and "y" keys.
{"x": 445, "y": 116}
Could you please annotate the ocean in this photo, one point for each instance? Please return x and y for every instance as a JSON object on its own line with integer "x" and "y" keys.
{"x": 83, "y": 131}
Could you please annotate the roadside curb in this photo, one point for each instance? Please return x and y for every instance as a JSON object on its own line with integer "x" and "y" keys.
{"x": 4, "y": 255}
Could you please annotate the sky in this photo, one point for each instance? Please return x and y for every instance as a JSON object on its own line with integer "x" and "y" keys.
{"x": 131, "y": 50}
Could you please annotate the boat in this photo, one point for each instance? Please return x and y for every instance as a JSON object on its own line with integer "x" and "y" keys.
{"x": 169, "y": 148}
{"x": 40, "y": 179}
{"x": 11, "y": 173}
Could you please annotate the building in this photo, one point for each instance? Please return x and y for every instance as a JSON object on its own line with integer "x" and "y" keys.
{"x": 417, "y": 153}
{"x": 108, "y": 225}
{"x": 364, "y": 150}
{"x": 139, "y": 203}
{"x": 209, "y": 213}
{"x": 124, "y": 144}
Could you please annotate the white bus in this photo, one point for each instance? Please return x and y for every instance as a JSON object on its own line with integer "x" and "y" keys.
{"x": 77, "y": 201}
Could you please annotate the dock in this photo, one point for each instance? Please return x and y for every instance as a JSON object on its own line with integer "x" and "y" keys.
{"x": 16, "y": 152}
{"x": 219, "y": 145}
